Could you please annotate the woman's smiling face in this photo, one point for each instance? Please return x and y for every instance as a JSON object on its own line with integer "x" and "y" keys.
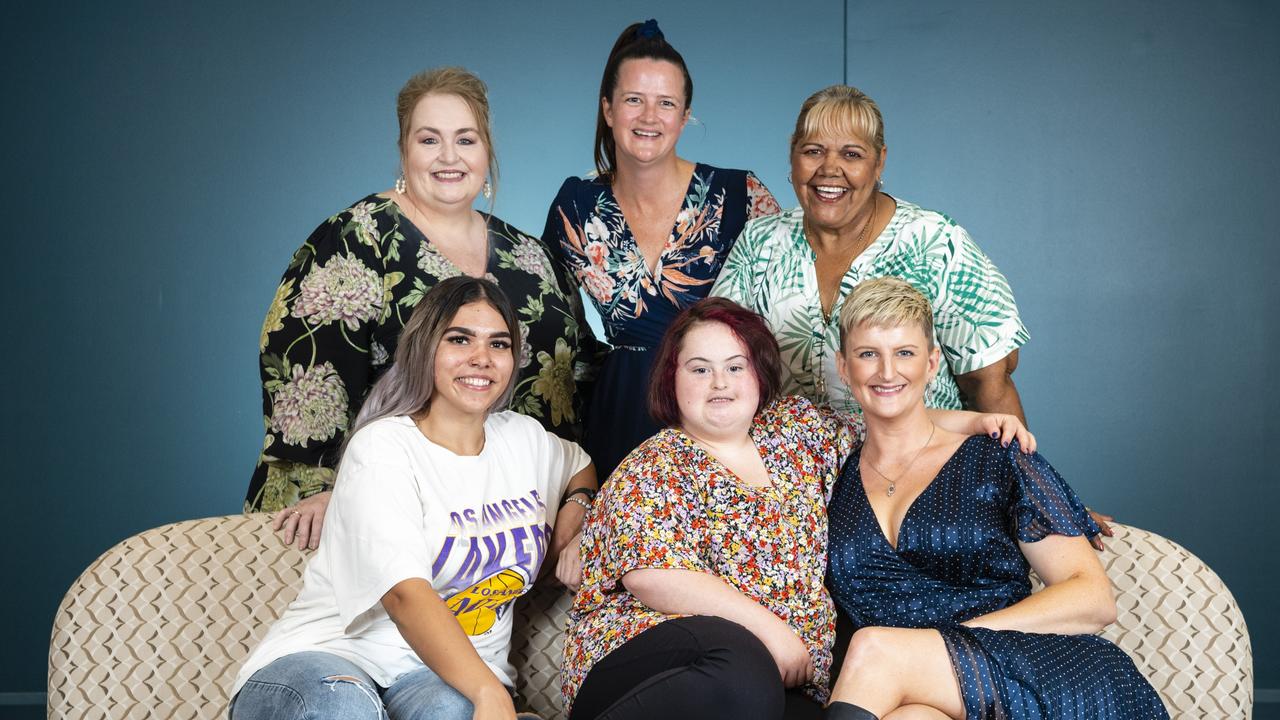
{"x": 835, "y": 178}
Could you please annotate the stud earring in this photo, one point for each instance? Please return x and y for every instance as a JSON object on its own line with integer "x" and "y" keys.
{"x": 400, "y": 186}
{"x": 488, "y": 189}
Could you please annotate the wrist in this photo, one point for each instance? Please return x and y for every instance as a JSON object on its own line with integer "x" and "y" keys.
{"x": 583, "y": 496}
{"x": 490, "y": 693}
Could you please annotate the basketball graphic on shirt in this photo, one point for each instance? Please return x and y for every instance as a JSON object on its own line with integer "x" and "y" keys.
{"x": 478, "y": 606}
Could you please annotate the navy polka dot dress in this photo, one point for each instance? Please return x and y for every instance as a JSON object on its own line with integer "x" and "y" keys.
{"x": 958, "y": 558}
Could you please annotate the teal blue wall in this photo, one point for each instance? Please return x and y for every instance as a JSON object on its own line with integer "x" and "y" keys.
{"x": 162, "y": 163}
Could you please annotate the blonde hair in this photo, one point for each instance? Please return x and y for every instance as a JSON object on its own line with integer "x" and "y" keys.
{"x": 449, "y": 81}
{"x": 886, "y": 302}
{"x": 840, "y": 110}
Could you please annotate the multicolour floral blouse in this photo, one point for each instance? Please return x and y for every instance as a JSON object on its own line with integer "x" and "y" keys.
{"x": 332, "y": 329}
{"x": 637, "y": 302}
{"x": 671, "y": 505}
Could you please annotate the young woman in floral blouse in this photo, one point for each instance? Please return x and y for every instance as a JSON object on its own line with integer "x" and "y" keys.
{"x": 704, "y": 556}
{"x": 333, "y": 326}
{"x": 647, "y": 235}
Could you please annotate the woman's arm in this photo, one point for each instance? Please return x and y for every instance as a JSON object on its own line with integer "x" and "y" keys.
{"x": 1005, "y": 428}
{"x": 689, "y": 592}
{"x": 435, "y": 635}
{"x": 569, "y": 518}
{"x": 1077, "y": 597}
{"x": 991, "y": 389}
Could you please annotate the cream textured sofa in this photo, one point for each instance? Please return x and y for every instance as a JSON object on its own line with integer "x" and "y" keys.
{"x": 158, "y": 625}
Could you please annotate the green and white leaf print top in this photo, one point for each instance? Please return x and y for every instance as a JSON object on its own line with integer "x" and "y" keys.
{"x": 771, "y": 270}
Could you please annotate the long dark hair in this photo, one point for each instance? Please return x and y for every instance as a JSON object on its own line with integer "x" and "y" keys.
{"x": 406, "y": 387}
{"x": 640, "y": 40}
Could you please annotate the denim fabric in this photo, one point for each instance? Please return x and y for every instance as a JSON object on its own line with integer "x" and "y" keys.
{"x": 316, "y": 685}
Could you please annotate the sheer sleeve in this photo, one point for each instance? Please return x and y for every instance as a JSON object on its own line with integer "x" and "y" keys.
{"x": 760, "y": 202}
{"x": 1043, "y": 503}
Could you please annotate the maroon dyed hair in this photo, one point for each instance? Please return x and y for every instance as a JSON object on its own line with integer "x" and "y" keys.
{"x": 750, "y": 329}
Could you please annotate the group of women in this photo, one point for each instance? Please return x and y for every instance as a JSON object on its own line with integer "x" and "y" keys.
{"x": 438, "y": 412}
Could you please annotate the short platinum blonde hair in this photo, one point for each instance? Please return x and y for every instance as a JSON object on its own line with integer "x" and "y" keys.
{"x": 840, "y": 110}
{"x": 886, "y": 302}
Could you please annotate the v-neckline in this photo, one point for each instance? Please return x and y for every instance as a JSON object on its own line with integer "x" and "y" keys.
{"x": 730, "y": 474}
{"x": 655, "y": 270}
{"x": 842, "y": 294}
{"x": 866, "y": 498}
{"x": 433, "y": 248}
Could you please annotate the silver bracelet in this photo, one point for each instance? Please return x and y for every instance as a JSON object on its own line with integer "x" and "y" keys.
{"x": 578, "y": 501}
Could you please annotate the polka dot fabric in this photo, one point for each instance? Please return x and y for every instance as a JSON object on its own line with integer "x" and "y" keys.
{"x": 958, "y": 558}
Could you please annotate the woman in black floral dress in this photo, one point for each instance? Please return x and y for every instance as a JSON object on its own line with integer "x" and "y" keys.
{"x": 332, "y": 327}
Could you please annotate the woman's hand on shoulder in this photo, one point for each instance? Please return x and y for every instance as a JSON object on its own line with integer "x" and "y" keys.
{"x": 1007, "y": 428}
{"x": 304, "y": 521}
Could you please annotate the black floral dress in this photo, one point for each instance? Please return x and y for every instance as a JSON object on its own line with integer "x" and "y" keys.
{"x": 332, "y": 329}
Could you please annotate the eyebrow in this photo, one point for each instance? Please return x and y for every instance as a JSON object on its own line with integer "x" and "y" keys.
{"x": 702, "y": 359}
{"x": 909, "y": 346}
{"x": 437, "y": 131}
{"x": 472, "y": 333}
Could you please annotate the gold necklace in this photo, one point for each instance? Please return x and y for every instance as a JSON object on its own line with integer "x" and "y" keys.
{"x": 857, "y": 246}
{"x": 893, "y": 482}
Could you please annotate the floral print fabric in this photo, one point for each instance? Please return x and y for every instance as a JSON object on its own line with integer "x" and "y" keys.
{"x": 637, "y": 302}
{"x": 771, "y": 270}
{"x": 333, "y": 325}
{"x": 671, "y": 505}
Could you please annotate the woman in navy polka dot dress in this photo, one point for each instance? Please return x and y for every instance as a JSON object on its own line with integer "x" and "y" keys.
{"x": 932, "y": 535}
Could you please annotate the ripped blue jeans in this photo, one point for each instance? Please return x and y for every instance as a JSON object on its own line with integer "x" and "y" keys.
{"x": 319, "y": 685}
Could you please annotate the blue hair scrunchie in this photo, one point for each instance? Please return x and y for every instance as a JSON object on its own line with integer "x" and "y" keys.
{"x": 649, "y": 29}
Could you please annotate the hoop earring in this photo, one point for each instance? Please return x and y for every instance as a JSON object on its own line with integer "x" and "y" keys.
{"x": 488, "y": 189}
{"x": 788, "y": 177}
{"x": 400, "y": 184}
{"x": 880, "y": 184}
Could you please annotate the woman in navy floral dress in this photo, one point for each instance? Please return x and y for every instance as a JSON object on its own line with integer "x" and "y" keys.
{"x": 648, "y": 234}
{"x": 932, "y": 535}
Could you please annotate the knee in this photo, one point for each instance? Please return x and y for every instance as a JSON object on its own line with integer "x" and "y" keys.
{"x": 334, "y": 696}
{"x": 348, "y": 696}
{"x": 870, "y": 647}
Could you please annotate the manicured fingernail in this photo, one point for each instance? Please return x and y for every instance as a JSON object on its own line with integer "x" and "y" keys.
{"x": 995, "y": 433}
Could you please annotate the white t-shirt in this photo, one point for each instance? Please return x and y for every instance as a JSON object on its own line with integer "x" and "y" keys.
{"x": 476, "y": 527}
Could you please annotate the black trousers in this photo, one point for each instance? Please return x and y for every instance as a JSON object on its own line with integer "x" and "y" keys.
{"x": 693, "y": 667}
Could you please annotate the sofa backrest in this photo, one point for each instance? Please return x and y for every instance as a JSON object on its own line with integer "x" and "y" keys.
{"x": 159, "y": 625}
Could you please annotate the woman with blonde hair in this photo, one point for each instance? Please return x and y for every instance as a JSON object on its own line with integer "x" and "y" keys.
{"x": 933, "y": 534}
{"x": 333, "y": 326}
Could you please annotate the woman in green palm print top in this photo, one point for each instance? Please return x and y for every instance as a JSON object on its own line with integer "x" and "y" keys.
{"x": 796, "y": 268}
{"x": 332, "y": 329}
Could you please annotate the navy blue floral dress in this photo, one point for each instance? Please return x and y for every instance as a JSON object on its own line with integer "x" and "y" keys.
{"x": 958, "y": 558}
{"x": 637, "y": 302}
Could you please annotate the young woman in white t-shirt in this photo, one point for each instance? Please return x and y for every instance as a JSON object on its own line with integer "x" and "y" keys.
{"x": 438, "y": 522}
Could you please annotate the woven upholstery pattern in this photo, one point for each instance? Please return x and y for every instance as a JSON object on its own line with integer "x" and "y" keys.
{"x": 159, "y": 625}
{"x": 1180, "y": 624}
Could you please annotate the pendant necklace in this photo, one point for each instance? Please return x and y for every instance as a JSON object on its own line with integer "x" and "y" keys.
{"x": 893, "y": 482}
